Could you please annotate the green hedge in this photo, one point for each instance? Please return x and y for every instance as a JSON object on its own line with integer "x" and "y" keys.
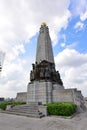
{"x": 3, "y": 105}
{"x": 61, "y": 108}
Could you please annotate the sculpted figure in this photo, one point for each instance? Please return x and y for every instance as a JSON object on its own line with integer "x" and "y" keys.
{"x": 41, "y": 73}
{"x": 47, "y": 73}
{"x": 31, "y": 76}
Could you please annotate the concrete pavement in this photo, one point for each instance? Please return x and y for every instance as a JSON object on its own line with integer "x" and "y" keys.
{"x": 14, "y": 122}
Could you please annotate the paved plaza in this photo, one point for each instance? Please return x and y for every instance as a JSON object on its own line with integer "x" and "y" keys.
{"x": 14, "y": 122}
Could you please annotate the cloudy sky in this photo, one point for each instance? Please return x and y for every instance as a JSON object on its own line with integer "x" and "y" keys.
{"x": 20, "y": 21}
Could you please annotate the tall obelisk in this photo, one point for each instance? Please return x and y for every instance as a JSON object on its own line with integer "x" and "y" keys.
{"x": 43, "y": 76}
{"x": 44, "y": 47}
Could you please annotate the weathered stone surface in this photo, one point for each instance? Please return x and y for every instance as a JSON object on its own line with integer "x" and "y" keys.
{"x": 44, "y": 47}
{"x": 45, "y": 82}
{"x": 21, "y": 97}
{"x": 43, "y": 109}
{"x": 39, "y": 91}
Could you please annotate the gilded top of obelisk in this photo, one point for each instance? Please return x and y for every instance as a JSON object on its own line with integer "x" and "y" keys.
{"x": 43, "y": 24}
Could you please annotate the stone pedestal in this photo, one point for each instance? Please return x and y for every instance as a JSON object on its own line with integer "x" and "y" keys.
{"x": 42, "y": 91}
{"x": 39, "y": 91}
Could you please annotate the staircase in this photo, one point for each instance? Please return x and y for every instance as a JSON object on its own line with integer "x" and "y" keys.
{"x": 30, "y": 110}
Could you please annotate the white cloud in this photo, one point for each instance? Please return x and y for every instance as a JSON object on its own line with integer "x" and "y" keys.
{"x": 84, "y": 16}
{"x": 79, "y": 8}
{"x": 19, "y": 21}
{"x": 59, "y": 23}
{"x": 79, "y": 26}
{"x": 72, "y": 46}
{"x": 70, "y": 57}
{"x": 63, "y": 44}
{"x": 73, "y": 68}
{"x": 63, "y": 37}
{"x": 14, "y": 77}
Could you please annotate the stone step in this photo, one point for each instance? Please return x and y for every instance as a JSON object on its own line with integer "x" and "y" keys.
{"x": 25, "y": 110}
{"x": 35, "y": 108}
{"x": 33, "y": 103}
{"x": 25, "y": 105}
{"x": 24, "y": 114}
{"x": 22, "y": 111}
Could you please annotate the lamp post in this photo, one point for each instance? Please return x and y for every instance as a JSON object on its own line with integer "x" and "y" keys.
{"x": 2, "y": 55}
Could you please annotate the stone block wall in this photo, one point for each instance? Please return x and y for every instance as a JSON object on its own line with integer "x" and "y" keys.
{"x": 62, "y": 96}
{"x": 69, "y": 95}
{"x": 21, "y": 97}
{"x": 39, "y": 92}
{"x": 47, "y": 92}
{"x": 43, "y": 109}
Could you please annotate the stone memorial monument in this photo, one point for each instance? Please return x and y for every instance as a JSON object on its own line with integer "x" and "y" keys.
{"x": 45, "y": 84}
